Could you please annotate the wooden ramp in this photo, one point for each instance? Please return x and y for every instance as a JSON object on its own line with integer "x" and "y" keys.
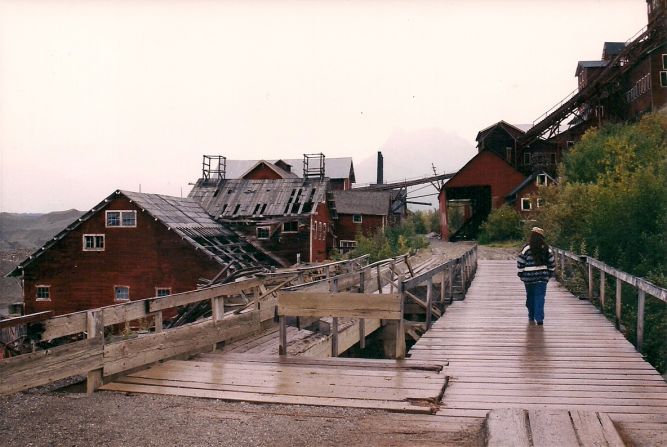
{"x": 406, "y": 386}
{"x": 576, "y": 361}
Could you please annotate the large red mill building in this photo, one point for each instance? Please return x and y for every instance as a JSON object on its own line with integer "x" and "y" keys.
{"x": 629, "y": 80}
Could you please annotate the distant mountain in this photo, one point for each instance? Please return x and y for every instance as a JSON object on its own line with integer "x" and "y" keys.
{"x": 30, "y": 231}
{"x": 411, "y": 154}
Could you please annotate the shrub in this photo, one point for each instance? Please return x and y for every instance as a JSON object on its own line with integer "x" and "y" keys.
{"x": 503, "y": 224}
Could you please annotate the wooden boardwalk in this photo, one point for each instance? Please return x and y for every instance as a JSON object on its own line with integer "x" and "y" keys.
{"x": 576, "y": 361}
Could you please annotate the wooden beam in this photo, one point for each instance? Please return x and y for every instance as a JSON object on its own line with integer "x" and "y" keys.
{"x": 95, "y": 327}
{"x": 429, "y": 302}
{"x": 25, "y": 319}
{"x": 641, "y": 302}
{"x": 343, "y": 304}
{"x": 619, "y": 292}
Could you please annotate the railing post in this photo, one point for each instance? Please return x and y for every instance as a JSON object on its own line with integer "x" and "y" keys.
{"x": 442, "y": 289}
{"x": 562, "y": 266}
{"x": 158, "y": 321}
{"x": 602, "y": 290}
{"x": 95, "y": 331}
{"x": 590, "y": 282}
{"x": 463, "y": 277}
{"x": 619, "y": 292}
{"x": 379, "y": 278}
{"x": 391, "y": 275}
{"x": 640, "y": 319}
{"x": 400, "y": 330}
{"x": 362, "y": 322}
{"x": 218, "y": 307}
{"x": 429, "y": 301}
{"x": 334, "y": 324}
{"x": 282, "y": 329}
{"x": 450, "y": 283}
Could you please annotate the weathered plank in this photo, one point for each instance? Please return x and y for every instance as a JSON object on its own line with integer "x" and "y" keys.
{"x": 507, "y": 428}
{"x": 187, "y": 339}
{"x": 25, "y": 319}
{"x": 352, "y": 305}
{"x": 42, "y": 367}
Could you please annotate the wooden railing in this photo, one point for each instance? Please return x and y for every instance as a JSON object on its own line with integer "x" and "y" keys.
{"x": 378, "y": 304}
{"x": 99, "y": 359}
{"x": 590, "y": 265}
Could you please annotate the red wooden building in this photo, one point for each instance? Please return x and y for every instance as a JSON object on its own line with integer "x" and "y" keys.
{"x": 291, "y": 218}
{"x": 131, "y": 246}
{"x": 361, "y": 212}
{"x": 526, "y": 198}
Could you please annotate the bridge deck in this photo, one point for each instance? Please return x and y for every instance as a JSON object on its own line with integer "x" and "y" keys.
{"x": 576, "y": 361}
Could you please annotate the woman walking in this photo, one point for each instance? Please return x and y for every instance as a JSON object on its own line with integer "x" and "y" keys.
{"x": 536, "y": 267}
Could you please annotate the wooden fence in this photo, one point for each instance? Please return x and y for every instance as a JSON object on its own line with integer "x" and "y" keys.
{"x": 99, "y": 360}
{"x": 565, "y": 258}
{"x": 378, "y": 304}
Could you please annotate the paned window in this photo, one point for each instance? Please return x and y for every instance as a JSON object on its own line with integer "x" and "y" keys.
{"x": 162, "y": 291}
{"x": 43, "y": 293}
{"x": 663, "y": 79}
{"x": 121, "y": 293}
{"x": 291, "y": 227}
{"x": 93, "y": 242}
{"x": 346, "y": 246}
{"x": 356, "y": 218}
{"x": 539, "y": 202}
{"x": 263, "y": 232}
{"x": 526, "y": 205}
{"x": 121, "y": 218}
{"x": 541, "y": 179}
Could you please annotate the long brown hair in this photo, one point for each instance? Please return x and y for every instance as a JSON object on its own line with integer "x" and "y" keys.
{"x": 538, "y": 248}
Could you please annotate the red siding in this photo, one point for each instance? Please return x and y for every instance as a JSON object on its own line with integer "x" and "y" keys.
{"x": 262, "y": 172}
{"x": 320, "y": 226}
{"x": 347, "y": 230}
{"x": 142, "y": 258}
{"x": 486, "y": 168}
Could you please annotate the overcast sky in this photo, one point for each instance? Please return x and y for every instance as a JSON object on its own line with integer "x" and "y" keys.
{"x": 96, "y": 96}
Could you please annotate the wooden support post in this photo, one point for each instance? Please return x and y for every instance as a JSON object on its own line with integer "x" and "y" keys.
{"x": 590, "y": 282}
{"x": 391, "y": 273}
{"x": 562, "y": 266}
{"x": 158, "y": 321}
{"x": 619, "y": 292}
{"x": 301, "y": 279}
{"x": 379, "y": 278}
{"x": 334, "y": 324}
{"x": 463, "y": 278}
{"x": 602, "y": 290}
{"x": 95, "y": 330}
{"x": 218, "y": 308}
{"x": 640, "y": 319}
{"x": 429, "y": 302}
{"x": 442, "y": 289}
{"x": 450, "y": 283}
{"x": 400, "y": 330}
{"x": 407, "y": 264}
{"x": 362, "y": 322}
{"x": 282, "y": 330}
{"x": 327, "y": 271}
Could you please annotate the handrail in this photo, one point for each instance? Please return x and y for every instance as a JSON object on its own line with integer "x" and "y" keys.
{"x": 642, "y": 286}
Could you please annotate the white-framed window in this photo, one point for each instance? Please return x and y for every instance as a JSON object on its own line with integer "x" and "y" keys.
{"x": 43, "y": 292}
{"x": 663, "y": 78}
{"x": 93, "y": 242}
{"x": 121, "y": 293}
{"x": 541, "y": 180}
{"x": 539, "y": 202}
{"x": 291, "y": 227}
{"x": 664, "y": 61}
{"x": 569, "y": 143}
{"x": 526, "y": 158}
{"x": 324, "y": 231}
{"x": 263, "y": 232}
{"x": 356, "y": 218}
{"x": 121, "y": 218}
{"x": 162, "y": 291}
{"x": 526, "y": 204}
{"x": 347, "y": 245}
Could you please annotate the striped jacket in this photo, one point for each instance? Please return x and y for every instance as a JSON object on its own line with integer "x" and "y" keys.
{"x": 531, "y": 273}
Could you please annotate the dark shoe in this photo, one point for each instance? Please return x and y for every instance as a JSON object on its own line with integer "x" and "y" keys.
{"x": 540, "y": 323}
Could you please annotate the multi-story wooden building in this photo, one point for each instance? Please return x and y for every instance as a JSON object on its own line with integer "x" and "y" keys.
{"x": 131, "y": 246}
{"x": 361, "y": 212}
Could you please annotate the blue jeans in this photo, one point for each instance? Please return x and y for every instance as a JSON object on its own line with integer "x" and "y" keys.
{"x": 535, "y": 294}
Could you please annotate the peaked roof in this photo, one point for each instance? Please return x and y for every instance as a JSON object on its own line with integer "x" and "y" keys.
{"x": 612, "y": 49}
{"x": 275, "y": 168}
{"x": 513, "y": 130}
{"x": 185, "y": 217}
{"x": 376, "y": 203}
{"x": 527, "y": 182}
{"x": 589, "y": 64}
{"x": 239, "y": 199}
{"x": 334, "y": 168}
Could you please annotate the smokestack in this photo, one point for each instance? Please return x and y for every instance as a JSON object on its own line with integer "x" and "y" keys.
{"x": 380, "y": 176}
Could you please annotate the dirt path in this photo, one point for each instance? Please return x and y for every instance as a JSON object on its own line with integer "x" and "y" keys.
{"x": 42, "y": 417}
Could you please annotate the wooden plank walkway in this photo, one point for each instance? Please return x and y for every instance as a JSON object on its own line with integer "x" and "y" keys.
{"x": 405, "y": 386}
{"x": 576, "y": 361}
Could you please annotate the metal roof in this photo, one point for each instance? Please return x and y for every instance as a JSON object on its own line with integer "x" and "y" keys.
{"x": 334, "y": 168}
{"x": 612, "y": 48}
{"x": 589, "y": 64}
{"x": 238, "y": 199}
{"x": 367, "y": 202}
{"x": 186, "y": 218}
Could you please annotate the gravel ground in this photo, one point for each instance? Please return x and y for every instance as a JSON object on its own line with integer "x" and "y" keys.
{"x": 47, "y": 417}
